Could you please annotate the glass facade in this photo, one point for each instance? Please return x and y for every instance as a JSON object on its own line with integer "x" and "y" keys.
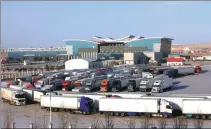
{"x": 79, "y": 44}
{"x": 19, "y": 54}
{"x": 144, "y": 43}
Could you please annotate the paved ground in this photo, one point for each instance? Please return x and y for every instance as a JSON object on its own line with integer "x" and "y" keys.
{"x": 23, "y": 115}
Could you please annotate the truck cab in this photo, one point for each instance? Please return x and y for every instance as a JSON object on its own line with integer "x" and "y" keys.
{"x": 166, "y": 108}
{"x": 133, "y": 84}
{"x": 157, "y": 86}
{"x": 143, "y": 85}
{"x": 19, "y": 98}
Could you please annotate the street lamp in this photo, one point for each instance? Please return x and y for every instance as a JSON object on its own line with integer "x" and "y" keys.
{"x": 50, "y": 126}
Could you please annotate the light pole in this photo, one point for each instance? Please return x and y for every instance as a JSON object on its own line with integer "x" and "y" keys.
{"x": 50, "y": 112}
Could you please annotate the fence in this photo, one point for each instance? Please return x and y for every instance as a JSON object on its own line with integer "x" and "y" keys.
{"x": 15, "y": 74}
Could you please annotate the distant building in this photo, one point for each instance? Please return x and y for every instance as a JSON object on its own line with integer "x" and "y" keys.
{"x": 175, "y": 61}
{"x": 105, "y": 48}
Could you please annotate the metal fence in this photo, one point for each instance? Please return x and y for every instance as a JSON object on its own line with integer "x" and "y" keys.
{"x": 8, "y": 75}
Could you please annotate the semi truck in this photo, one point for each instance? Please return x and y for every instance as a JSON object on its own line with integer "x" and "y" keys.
{"x": 33, "y": 95}
{"x": 82, "y": 105}
{"x": 114, "y": 84}
{"x": 135, "y": 106}
{"x": 146, "y": 85}
{"x": 94, "y": 83}
{"x": 185, "y": 70}
{"x": 161, "y": 84}
{"x": 176, "y": 102}
{"x": 13, "y": 96}
{"x": 133, "y": 84}
{"x": 94, "y": 97}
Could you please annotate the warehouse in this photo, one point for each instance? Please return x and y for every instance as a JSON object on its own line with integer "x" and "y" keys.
{"x": 82, "y": 64}
{"x": 135, "y": 58}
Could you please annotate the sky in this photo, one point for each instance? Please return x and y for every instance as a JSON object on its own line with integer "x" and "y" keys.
{"x": 44, "y": 24}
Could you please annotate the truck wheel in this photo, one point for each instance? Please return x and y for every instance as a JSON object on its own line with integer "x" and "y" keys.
{"x": 203, "y": 117}
{"x": 197, "y": 116}
{"x": 165, "y": 115}
{"x": 116, "y": 114}
{"x": 84, "y": 113}
{"x": 111, "y": 114}
{"x": 122, "y": 114}
{"x": 48, "y": 109}
{"x": 209, "y": 117}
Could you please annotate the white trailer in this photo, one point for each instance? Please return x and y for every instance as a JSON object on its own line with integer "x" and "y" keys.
{"x": 161, "y": 84}
{"x": 192, "y": 95}
{"x": 72, "y": 104}
{"x": 176, "y": 102}
{"x": 132, "y": 106}
{"x": 17, "y": 87}
{"x": 13, "y": 96}
{"x": 33, "y": 95}
{"x": 147, "y": 75}
{"x": 124, "y": 94}
{"x": 197, "y": 108}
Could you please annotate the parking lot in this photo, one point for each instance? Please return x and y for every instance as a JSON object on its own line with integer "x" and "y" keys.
{"x": 192, "y": 84}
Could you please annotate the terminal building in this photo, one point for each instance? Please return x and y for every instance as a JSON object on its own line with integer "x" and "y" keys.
{"x": 110, "y": 48}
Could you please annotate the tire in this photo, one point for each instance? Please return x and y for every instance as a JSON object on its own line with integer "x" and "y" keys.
{"x": 209, "y": 117}
{"x": 111, "y": 114}
{"x": 116, "y": 114}
{"x": 122, "y": 114}
{"x": 197, "y": 116}
{"x": 203, "y": 117}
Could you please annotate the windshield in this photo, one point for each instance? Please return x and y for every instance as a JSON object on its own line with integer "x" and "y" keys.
{"x": 19, "y": 96}
{"x": 156, "y": 85}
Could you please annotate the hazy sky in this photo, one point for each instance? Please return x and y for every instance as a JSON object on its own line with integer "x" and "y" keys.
{"x": 35, "y": 24}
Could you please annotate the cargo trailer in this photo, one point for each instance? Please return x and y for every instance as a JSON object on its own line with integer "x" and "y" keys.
{"x": 82, "y": 105}
{"x": 135, "y": 106}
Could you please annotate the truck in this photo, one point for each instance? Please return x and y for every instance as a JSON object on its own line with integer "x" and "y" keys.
{"x": 162, "y": 83}
{"x": 146, "y": 85}
{"x": 135, "y": 106}
{"x": 33, "y": 95}
{"x": 176, "y": 101}
{"x": 199, "y": 108}
{"x": 94, "y": 97}
{"x": 13, "y": 96}
{"x": 114, "y": 84}
{"x": 82, "y": 104}
{"x": 94, "y": 84}
{"x": 185, "y": 70}
{"x": 133, "y": 84}
{"x": 68, "y": 84}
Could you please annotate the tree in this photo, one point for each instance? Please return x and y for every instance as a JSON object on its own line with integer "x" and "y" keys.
{"x": 95, "y": 123}
{"x": 162, "y": 123}
{"x": 64, "y": 120}
{"x": 47, "y": 67}
{"x": 180, "y": 123}
{"x": 8, "y": 118}
{"x": 198, "y": 123}
{"x": 146, "y": 122}
{"x": 131, "y": 123}
{"x": 109, "y": 122}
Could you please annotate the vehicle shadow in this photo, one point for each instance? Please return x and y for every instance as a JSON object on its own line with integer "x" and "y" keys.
{"x": 176, "y": 82}
{"x": 176, "y": 87}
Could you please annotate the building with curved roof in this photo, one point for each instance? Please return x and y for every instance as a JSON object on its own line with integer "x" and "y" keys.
{"x": 126, "y": 44}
